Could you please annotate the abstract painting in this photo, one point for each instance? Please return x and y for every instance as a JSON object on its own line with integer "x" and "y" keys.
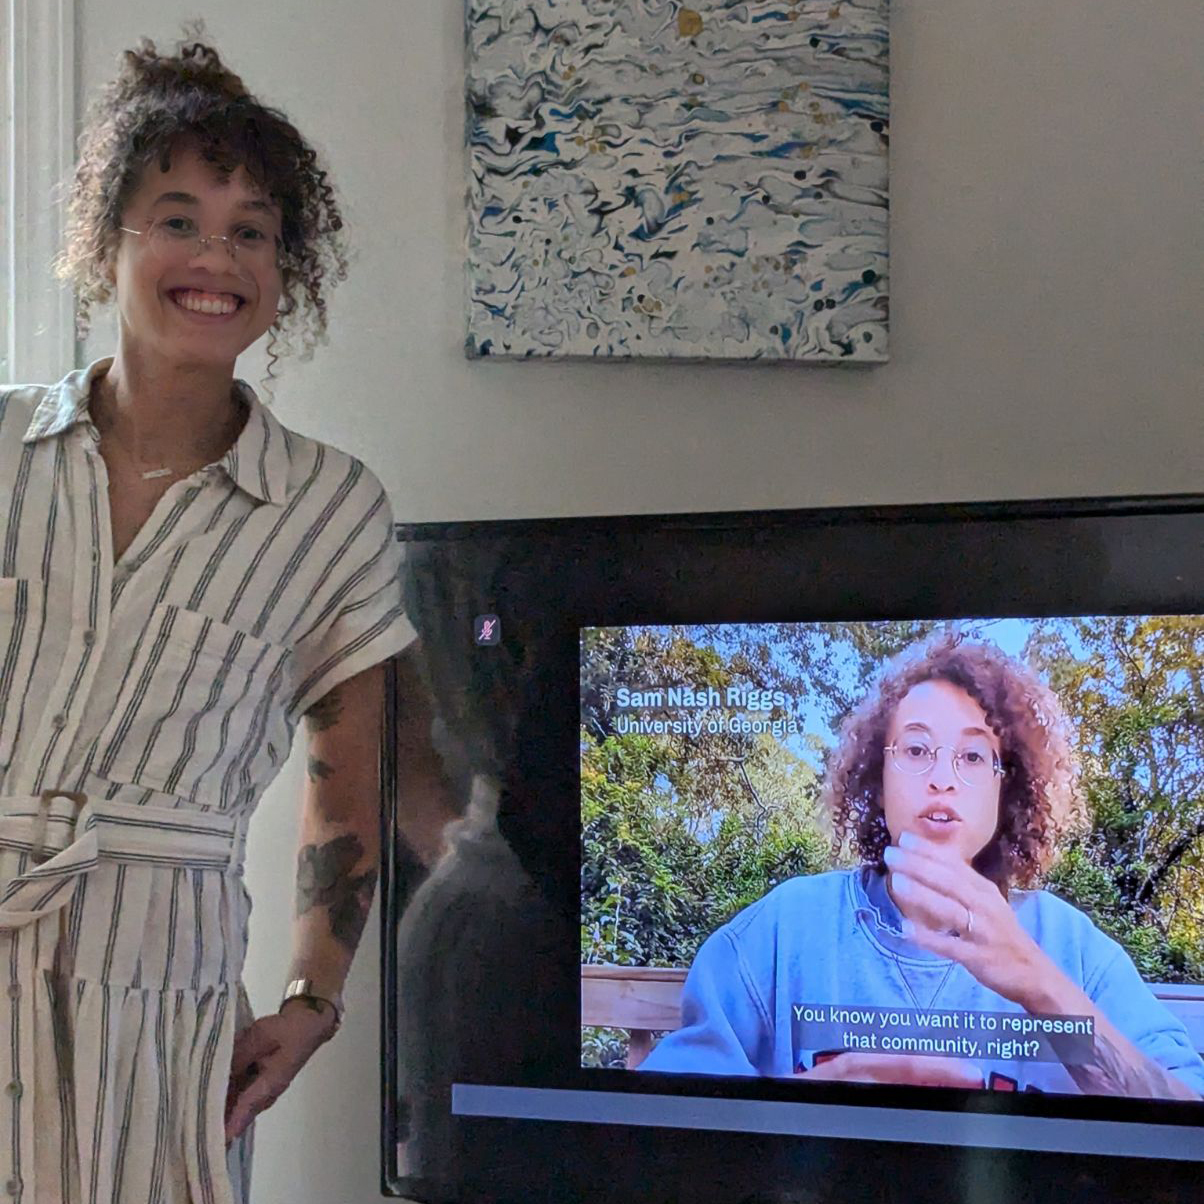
{"x": 701, "y": 180}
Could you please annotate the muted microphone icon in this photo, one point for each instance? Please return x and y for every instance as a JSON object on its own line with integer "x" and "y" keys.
{"x": 487, "y": 629}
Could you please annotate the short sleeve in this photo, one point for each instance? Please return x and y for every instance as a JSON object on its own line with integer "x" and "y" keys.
{"x": 363, "y": 620}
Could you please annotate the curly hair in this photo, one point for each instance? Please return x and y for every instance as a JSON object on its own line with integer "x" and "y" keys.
{"x": 1039, "y": 797}
{"x": 159, "y": 103}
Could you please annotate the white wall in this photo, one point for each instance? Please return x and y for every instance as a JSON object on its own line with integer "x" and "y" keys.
{"x": 1046, "y": 297}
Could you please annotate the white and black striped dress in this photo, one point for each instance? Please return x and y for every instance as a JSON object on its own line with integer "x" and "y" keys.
{"x": 144, "y": 707}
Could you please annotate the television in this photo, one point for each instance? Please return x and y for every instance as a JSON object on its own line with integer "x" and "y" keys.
{"x": 794, "y": 856}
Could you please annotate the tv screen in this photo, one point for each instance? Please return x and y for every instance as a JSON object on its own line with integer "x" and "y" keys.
{"x": 786, "y": 856}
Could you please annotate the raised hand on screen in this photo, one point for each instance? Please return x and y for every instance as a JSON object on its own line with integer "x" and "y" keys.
{"x": 953, "y": 911}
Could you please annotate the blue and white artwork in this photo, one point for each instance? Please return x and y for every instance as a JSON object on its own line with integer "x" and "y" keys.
{"x": 698, "y": 181}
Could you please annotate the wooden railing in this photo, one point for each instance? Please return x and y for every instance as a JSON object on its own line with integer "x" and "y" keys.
{"x": 641, "y": 999}
{"x": 647, "y": 999}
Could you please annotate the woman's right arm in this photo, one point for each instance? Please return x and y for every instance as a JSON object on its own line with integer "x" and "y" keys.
{"x": 723, "y": 1017}
{"x": 913, "y": 1070}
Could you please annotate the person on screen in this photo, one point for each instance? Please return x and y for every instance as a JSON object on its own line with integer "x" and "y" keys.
{"x": 954, "y": 781}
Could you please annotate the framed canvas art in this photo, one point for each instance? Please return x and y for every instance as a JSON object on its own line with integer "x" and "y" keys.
{"x": 655, "y": 179}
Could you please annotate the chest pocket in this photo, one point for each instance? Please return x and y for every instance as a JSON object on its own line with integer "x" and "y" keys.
{"x": 201, "y": 699}
{"x": 22, "y": 603}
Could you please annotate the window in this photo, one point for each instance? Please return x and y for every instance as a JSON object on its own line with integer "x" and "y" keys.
{"x": 37, "y": 133}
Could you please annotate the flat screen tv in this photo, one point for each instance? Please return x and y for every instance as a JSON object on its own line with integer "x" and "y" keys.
{"x": 799, "y": 856}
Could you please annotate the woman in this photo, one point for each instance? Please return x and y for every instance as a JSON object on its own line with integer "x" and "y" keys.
{"x": 954, "y": 780}
{"x": 184, "y": 580}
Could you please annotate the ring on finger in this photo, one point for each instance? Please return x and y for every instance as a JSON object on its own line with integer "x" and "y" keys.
{"x": 966, "y": 931}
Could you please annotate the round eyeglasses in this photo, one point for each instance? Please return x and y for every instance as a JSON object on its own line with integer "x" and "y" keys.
{"x": 177, "y": 240}
{"x": 974, "y": 766}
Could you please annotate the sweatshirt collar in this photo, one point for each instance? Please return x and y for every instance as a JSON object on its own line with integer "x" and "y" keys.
{"x": 874, "y": 899}
{"x": 880, "y": 918}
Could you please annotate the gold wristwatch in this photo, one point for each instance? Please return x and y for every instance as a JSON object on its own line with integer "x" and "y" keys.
{"x": 303, "y": 988}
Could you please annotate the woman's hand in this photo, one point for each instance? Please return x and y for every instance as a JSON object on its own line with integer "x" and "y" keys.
{"x": 267, "y": 1056}
{"x": 935, "y": 892}
{"x": 914, "y": 1070}
{"x": 953, "y": 911}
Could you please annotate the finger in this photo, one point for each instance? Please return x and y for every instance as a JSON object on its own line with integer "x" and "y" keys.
{"x": 949, "y": 871}
{"x": 941, "y": 944}
{"x": 259, "y": 1095}
{"x": 245, "y": 1065}
{"x": 954, "y": 880}
{"x": 910, "y": 842}
{"x": 924, "y": 906}
{"x": 939, "y": 863}
{"x": 954, "y": 948}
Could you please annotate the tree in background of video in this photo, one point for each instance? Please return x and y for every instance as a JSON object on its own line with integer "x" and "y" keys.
{"x": 679, "y": 832}
{"x": 1135, "y": 691}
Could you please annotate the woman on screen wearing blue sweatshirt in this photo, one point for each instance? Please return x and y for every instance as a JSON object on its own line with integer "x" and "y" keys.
{"x": 955, "y": 781}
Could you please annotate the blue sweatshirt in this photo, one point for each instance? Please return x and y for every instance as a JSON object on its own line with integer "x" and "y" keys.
{"x": 835, "y": 938}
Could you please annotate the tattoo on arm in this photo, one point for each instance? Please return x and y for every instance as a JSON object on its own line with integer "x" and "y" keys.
{"x": 319, "y": 770}
{"x": 326, "y": 878}
{"x": 1109, "y": 1072}
{"x": 326, "y": 712}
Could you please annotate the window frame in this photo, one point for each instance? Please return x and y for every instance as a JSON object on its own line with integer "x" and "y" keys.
{"x": 37, "y": 153}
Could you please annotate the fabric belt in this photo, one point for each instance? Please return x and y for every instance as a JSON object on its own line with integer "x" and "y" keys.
{"x": 67, "y": 834}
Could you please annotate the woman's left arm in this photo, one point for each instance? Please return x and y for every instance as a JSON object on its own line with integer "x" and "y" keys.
{"x": 336, "y": 879}
{"x": 955, "y": 912}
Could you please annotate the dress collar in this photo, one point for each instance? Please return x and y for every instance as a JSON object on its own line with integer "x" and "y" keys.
{"x": 258, "y": 461}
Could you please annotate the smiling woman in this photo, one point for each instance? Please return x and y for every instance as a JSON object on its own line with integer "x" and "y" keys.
{"x": 161, "y": 104}
{"x": 183, "y": 580}
{"x": 176, "y": 241}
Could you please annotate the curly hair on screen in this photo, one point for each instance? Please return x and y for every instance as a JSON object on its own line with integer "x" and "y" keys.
{"x": 159, "y": 103}
{"x": 1039, "y": 796}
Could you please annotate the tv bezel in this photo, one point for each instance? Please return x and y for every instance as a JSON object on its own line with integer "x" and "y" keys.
{"x": 758, "y": 523}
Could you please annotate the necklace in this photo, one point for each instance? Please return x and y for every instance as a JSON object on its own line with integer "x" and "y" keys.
{"x": 154, "y": 474}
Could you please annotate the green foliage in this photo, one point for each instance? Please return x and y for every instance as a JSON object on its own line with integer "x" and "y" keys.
{"x": 653, "y": 886}
{"x": 1081, "y": 878}
{"x": 1134, "y": 689}
{"x": 605, "y": 1048}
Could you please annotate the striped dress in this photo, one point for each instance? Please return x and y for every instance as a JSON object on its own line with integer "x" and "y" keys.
{"x": 144, "y": 707}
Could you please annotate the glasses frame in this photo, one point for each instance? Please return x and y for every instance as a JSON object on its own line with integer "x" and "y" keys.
{"x": 996, "y": 764}
{"x": 203, "y": 240}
